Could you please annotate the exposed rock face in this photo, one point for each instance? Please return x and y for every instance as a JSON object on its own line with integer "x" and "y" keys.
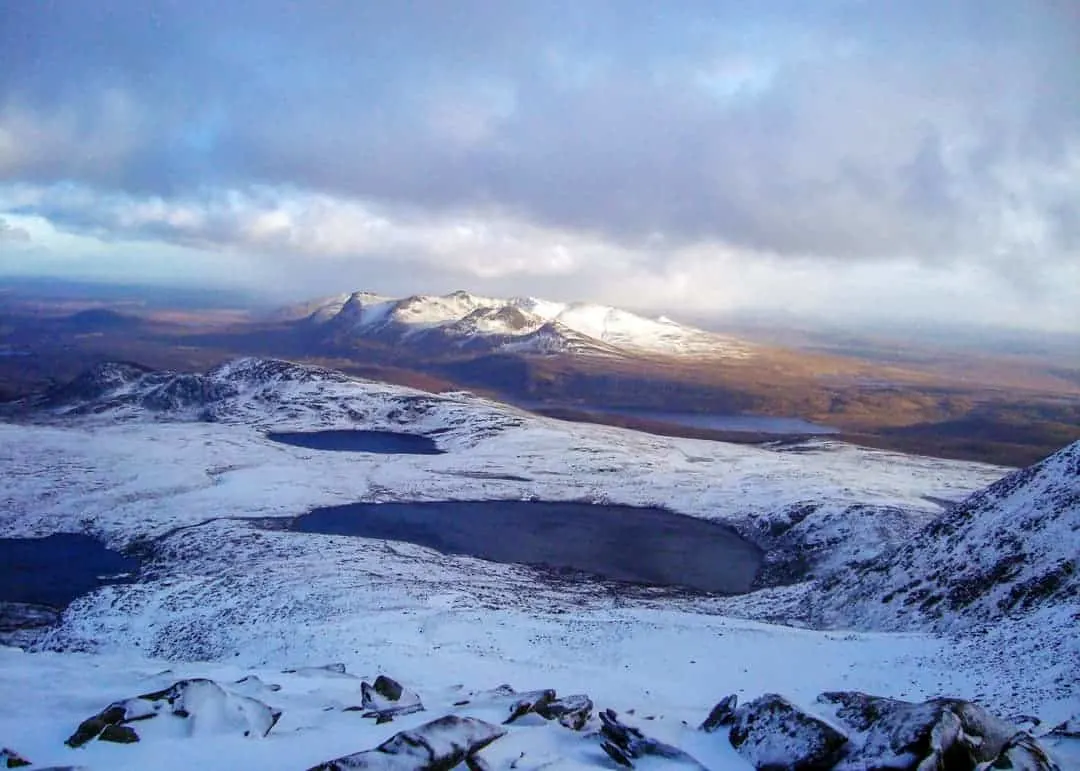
{"x": 624, "y": 744}
{"x": 772, "y": 734}
{"x": 202, "y": 706}
{"x": 386, "y": 699}
{"x": 436, "y": 746}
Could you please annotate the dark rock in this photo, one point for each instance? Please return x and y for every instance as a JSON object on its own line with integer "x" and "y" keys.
{"x": 436, "y": 746}
{"x": 92, "y": 727}
{"x": 529, "y": 702}
{"x": 905, "y": 735}
{"x": 183, "y": 700}
{"x": 624, "y": 744}
{"x": 120, "y": 734}
{"x": 386, "y": 699}
{"x": 12, "y": 759}
{"x": 1023, "y": 753}
{"x": 387, "y": 687}
{"x": 772, "y": 734}
{"x": 573, "y": 712}
{"x": 722, "y": 714}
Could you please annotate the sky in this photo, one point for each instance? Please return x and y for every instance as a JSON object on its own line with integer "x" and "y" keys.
{"x": 903, "y": 161}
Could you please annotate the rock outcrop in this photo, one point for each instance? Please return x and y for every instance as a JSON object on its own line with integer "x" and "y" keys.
{"x": 195, "y": 706}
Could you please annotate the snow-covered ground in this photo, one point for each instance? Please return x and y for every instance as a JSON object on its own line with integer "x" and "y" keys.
{"x": 667, "y": 667}
{"x": 242, "y": 599}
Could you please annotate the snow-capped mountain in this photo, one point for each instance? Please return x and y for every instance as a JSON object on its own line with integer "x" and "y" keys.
{"x": 464, "y": 322}
{"x": 1007, "y": 551}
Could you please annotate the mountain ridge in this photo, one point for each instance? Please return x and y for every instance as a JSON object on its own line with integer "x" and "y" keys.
{"x": 466, "y": 322}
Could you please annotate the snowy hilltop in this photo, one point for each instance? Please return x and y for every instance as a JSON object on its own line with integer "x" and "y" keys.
{"x": 468, "y": 323}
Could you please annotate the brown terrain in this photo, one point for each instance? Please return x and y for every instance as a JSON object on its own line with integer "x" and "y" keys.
{"x": 1011, "y": 409}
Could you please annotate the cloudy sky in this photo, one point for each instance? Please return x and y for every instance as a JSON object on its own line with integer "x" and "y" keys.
{"x": 904, "y": 160}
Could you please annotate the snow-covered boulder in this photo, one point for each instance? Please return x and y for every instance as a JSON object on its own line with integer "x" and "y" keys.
{"x": 891, "y": 733}
{"x": 571, "y": 711}
{"x": 435, "y": 746}
{"x": 185, "y": 708}
{"x": 387, "y": 698}
{"x": 772, "y": 734}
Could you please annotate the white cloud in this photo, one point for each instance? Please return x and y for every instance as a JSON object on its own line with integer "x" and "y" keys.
{"x": 312, "y": 243}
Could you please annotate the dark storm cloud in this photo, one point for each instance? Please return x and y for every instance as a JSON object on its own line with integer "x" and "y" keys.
{"x": 845, "y": 129}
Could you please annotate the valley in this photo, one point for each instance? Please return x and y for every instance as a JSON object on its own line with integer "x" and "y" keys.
{"x": 650, "y": 375}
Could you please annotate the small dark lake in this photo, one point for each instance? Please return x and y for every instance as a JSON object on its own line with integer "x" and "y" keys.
{"x": 57, "y": 569}
{"x": 624, "y": 543}
{"x": 349, "y": 440}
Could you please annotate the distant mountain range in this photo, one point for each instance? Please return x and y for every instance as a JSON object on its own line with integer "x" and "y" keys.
{"x": 461, "y": 323}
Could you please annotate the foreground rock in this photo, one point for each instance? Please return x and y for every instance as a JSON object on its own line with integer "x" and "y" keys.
{"x": 899, "y": 734}
{"x": 571, "y": 711}
{"x": 436, "y": 746}
{"x": 386, "y": 699}
{"x": 187, "y": 707}
{"x": 624, "y": 744}
{"x": 12, "y": 759}
{"x": 877, "y": 733}
{"x": 772, "y": 733}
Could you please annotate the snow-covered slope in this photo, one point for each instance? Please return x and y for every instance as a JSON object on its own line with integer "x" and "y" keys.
{"x": 1007, "y": 551}
{"x": 175, "y": 466}
{"x": 463, "y": 320}
{"x": 267, "y": 393}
